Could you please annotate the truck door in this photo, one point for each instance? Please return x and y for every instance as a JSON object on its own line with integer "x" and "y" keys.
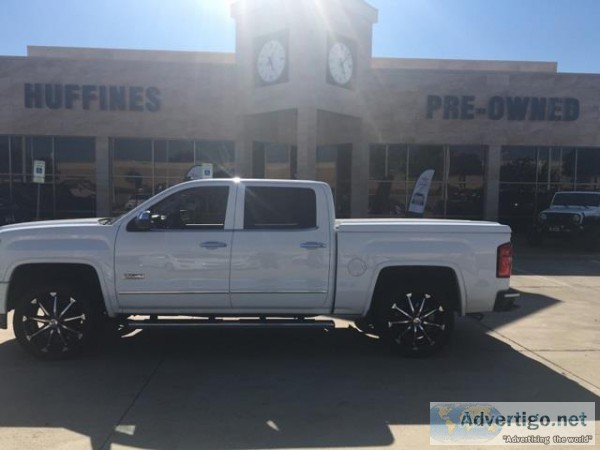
{"x": 281, "y": 249}
{"x": 182, "y": 262}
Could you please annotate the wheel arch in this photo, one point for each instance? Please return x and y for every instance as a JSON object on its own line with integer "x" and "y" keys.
{"x": 389, "y": 274}
{"x": 21, "y": 276}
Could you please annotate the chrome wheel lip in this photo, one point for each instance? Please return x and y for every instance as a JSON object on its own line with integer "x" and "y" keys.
{"x": 416, "y": 325}
{"x": 53, "y": 323}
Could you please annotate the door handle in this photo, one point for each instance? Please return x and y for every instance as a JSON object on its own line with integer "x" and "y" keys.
{"x": 312, "y": 245}
{"x": 211, "y": 245}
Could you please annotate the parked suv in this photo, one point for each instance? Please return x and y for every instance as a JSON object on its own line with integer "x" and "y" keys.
{"x": 570, "y": 214}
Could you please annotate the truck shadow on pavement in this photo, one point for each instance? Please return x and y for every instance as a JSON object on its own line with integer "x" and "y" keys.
{"x": 265, "y": 389}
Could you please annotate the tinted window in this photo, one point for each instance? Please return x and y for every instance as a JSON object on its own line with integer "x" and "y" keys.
{"x": 198, "y": 208}
{"x": 279, "y": 208}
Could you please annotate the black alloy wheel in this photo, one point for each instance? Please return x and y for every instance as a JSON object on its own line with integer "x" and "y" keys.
{"x": 55, "y": 321}
{"x": 415, "y": 323}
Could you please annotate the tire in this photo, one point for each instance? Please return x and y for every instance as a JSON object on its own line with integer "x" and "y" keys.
{"x": 414, "y": 322}
{"x": 57, "y": 320}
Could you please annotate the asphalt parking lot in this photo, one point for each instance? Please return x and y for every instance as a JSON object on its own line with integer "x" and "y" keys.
{"x": 310, "y": 389}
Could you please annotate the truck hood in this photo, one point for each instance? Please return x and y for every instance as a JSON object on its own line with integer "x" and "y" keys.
{"x": 570, "y": 209}
{"x": 50, "y": 224}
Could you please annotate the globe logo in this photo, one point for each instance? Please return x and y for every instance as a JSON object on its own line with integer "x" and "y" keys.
{"x": 460, "y": 422}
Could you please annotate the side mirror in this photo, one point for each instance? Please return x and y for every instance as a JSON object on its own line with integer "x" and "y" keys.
{"x": 143, "y": 221}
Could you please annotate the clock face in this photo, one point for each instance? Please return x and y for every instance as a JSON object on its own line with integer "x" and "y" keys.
{"x": 341, "y": 63}
{"x": 271, "y": 61}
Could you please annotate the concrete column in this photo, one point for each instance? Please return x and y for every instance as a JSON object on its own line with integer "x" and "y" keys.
{"x": 243, "y": 150}
{"x": 306, "y": 140}
{"x": 492, "y": 183}
{"x": 103, "y": 178}
{"x": 360, "y": 177}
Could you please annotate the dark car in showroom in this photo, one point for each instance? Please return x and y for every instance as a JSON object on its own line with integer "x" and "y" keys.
{"x": 571, "y": 214}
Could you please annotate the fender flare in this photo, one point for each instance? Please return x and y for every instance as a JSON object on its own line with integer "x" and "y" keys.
{"x": 377, "y": 272}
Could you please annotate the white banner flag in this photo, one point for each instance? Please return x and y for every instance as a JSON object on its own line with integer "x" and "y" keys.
{"x": 418, "y": 199}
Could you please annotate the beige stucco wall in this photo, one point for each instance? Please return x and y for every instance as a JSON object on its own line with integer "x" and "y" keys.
{"x": 197, "y": 100}
{"x": 396, "y": 100}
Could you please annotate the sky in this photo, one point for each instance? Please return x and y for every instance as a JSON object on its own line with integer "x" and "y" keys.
{"x": 564, "y": 31}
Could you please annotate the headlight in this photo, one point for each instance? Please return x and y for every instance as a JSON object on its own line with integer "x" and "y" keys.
{"x": 543, "y": 217}
{"x": 576, "y": 218}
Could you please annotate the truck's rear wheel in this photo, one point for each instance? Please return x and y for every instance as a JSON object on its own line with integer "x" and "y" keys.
{"x": 56, "y": 320}
{"x": 414, "y": 322}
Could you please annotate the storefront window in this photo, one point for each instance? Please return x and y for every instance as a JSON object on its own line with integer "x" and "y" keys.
{"x": 144, "y": 167}
{"x": 588, "y": 168}
{"x": 133, "y": 174}
{"x": 518, "y": 164}
{"x": 425, "y": 157}
{"x": 530, "y": 176}
{"x": 220, "y": 154}
{"x": 456, "y": 190}
{"x": 69, "y": 186}
{"x": 465, "y": 182}
{"x": 75, "y": 175}
{"x": 274, "y": 161}
{"x": 334, "y": 167}
{"x": 4, "y": 155}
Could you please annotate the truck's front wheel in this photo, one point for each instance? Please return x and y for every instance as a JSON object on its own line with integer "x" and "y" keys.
{"x": 414, "y": 322}
{"x": 56, "y": 321}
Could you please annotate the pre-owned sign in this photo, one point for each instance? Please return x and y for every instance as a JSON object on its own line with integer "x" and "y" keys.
{"x": 516, "y": 108}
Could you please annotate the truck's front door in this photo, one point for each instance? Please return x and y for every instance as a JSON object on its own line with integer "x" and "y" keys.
{"x": 282, "y": 252}
{"x": 182, "y": 262}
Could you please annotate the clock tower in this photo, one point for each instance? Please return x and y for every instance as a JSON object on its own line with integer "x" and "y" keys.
{"x": 300, "y": 68}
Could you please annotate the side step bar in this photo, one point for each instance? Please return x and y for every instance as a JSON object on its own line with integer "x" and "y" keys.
{"x": 231, "y": 323}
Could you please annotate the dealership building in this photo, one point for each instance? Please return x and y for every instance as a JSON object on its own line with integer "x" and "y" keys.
{"x": 302, "y": 97}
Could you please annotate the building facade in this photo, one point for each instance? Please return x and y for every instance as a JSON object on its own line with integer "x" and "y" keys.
{"x": 301, "y": 97}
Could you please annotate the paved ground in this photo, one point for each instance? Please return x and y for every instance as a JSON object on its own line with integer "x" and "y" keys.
{"x": 309, "y": 389}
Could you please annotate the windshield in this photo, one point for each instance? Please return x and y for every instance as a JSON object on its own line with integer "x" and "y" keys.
{"x": 576, "y": 199}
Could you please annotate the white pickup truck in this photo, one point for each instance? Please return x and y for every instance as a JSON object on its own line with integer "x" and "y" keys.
{"x": 248, "y": 253}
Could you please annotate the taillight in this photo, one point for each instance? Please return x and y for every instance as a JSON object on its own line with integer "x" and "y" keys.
{"x": 504, "y": 265}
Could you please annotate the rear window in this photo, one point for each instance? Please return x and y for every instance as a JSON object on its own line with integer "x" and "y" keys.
{"x": 279, "y": 208}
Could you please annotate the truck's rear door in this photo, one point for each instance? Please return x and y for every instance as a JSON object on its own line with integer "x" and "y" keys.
{"x": 282, "y": 254}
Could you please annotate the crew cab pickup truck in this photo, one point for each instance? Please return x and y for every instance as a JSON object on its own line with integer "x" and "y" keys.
{"x": 571, "y": 214}
{"x": 248, "y": 253}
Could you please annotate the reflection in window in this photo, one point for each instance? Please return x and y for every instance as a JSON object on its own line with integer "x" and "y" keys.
{"x": 75, "y": 174}
{"x": 425, "y": 157}
{"x": 279, "y": 208}
{"x": 144, "y": 167}
{"x": 274, "y": 161}
{"x": 201, "y": 208}
{"x": 465, "y": 182}
{"x": 456, "y": 190}
{"x": 530, "y": 176}
{"x": 518, "y": 164}
{"x": 334, "y": 167}
{"x": 69, "y": 189}
{"x": 588, "y": 166}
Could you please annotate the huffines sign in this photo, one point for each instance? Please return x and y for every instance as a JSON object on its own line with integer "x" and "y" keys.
{"x": 91, "y": 96}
